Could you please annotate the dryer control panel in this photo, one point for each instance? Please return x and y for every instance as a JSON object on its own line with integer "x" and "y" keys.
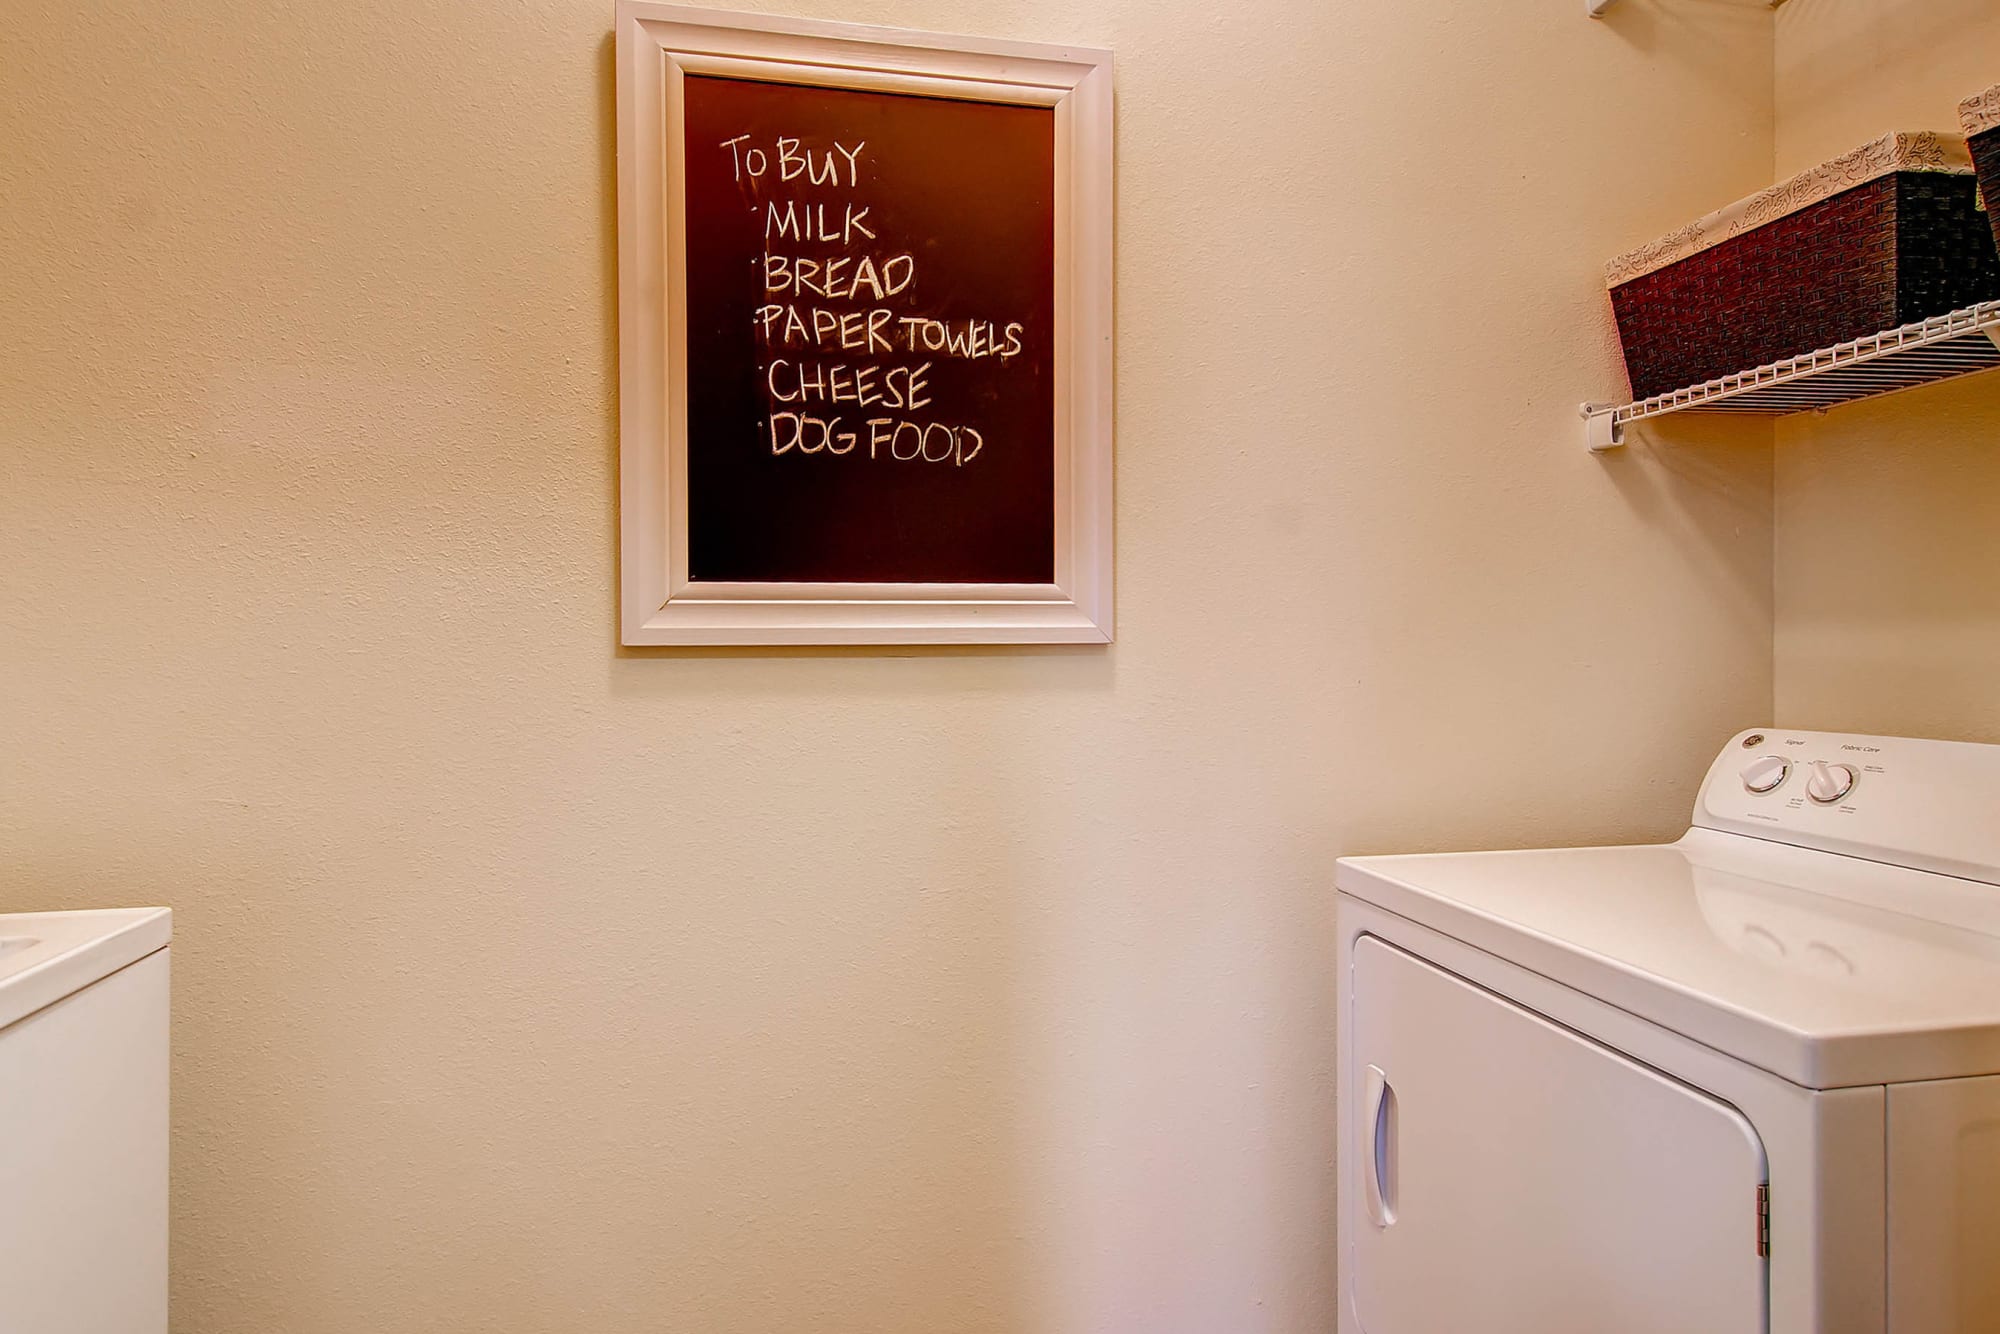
{"x": 1933, "y": 805}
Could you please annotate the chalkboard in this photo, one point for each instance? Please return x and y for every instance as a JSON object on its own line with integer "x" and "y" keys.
{"x": 865, "y": 334}
{"x": 870, "y": 287}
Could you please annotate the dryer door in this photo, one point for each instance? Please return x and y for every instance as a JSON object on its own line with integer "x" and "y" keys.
{"x": 1517, "y": 1178}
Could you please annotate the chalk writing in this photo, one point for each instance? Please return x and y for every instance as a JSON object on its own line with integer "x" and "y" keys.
{"x": 829, "y": 284}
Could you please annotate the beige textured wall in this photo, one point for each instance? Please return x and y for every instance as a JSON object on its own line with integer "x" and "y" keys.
{"x": 525, "y": 985}
{"x": 1888, "y": 513}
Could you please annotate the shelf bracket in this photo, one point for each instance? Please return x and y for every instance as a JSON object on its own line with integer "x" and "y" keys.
{"x": 1602, "y": 430}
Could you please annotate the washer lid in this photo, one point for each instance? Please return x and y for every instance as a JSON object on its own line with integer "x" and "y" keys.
{"x": 47, "y": 956}
{"x": 1824, "y": 969}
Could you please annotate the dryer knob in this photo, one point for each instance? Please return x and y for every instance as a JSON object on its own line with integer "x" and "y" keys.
{"x": 1828, "y": 783}
{"x": 1765, "y": 773}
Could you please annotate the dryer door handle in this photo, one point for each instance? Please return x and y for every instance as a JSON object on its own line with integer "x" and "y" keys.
{"x": 1378, "y": 1174}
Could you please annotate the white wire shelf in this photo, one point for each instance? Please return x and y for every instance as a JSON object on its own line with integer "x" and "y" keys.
{"x": 1596, "y": 8}
{"x": 1917, "y": 354}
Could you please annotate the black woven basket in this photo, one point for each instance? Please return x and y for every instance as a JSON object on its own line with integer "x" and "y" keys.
{"x": 1981, "y": 117}
{"x": 1812, "y": 263}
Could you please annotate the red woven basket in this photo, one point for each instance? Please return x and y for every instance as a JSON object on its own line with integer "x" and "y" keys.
{"x": 1881, "y": 237}
{"x": 1981, "y": 117}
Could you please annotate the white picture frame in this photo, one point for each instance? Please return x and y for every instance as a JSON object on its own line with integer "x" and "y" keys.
{"x": 657, "y": 46}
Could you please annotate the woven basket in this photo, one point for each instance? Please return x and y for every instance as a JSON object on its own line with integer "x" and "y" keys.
{"x": 1981, "y": 117}
{"x": 1883, "y": 236}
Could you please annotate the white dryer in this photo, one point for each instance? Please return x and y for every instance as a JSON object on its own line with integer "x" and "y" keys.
{"x": 1746, "y": 1081}
{"x": 83, "y": 1121}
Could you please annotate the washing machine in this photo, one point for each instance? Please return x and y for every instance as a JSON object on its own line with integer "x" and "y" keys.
{"x": 83, "y": 1122}
{"x": 1745, "y": 1081}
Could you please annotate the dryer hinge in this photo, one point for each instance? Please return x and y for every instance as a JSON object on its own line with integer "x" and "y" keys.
{"x": 1764, "y": 1221}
